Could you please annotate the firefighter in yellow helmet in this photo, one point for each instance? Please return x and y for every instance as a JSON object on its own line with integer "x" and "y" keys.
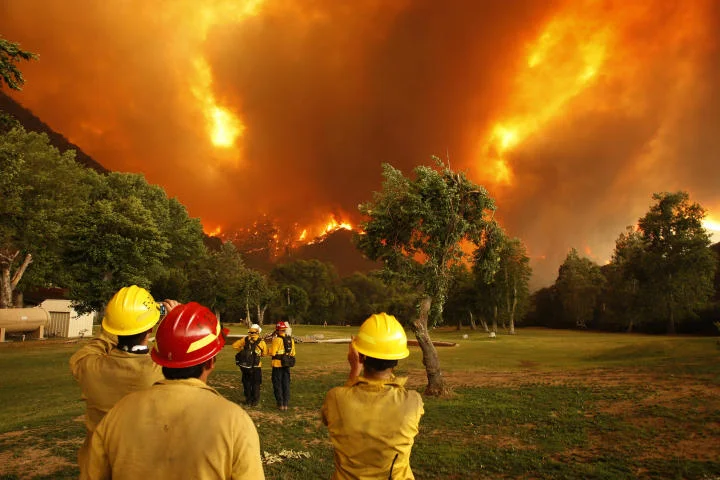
{"x": 373, "y": 419}
{"x": 250, "y": 350}
{"x": 117, "y": 361}
{"x": 180, "y": 427}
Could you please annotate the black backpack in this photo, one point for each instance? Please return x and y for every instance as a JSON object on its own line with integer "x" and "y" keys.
{"x": 286, "y": 360}
{"x": 247, "y": 357}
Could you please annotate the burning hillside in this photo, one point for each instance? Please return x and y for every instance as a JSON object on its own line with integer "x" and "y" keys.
{"x": 572, "y": 113}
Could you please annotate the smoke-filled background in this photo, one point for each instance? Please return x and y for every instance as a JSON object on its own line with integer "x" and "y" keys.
{"x": 572, "y": 113}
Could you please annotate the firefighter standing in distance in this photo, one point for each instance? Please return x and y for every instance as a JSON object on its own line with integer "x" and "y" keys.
{"x": 373, "y": 419}
{"x": 180, "y": 427}
{"x": 251, "y": 349}
{"x": 117, "y": 361}
{"x": 282, "y": 351}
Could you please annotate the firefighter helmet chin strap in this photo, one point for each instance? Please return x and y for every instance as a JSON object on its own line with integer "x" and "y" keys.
{"x": 392, "y": 465}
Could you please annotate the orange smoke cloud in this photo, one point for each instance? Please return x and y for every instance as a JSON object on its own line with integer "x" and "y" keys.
{"x": 570, "y": 112}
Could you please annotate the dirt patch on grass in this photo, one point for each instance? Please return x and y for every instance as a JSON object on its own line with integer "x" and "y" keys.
{"x": 293, "y": 414}
{"x": 655, "y": 406}
{"x": 29, "y": 462}
{"x": 12, "y": 435}
{"x": 591, "y": 377}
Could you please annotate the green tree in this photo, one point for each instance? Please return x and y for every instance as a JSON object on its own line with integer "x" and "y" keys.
{"x": 369, "y": 295}
{"x": 131, "y": 233}
{"x": 291, "y": 302}
{"x": 258, "y": 293}
{"x": 42, "y": 192}
{"x": 320, "y": 282}
{"x": 184, "y": 233}
{"x": 219, "y": 282}
{"x": 622, "y": 302}
{"x": 416, "y": 227}
{"x": 464, "y": 298}
{"x": 678, "y": 267}
{"x": 10, "y": 55}
{"x": 578, "y": 286}
{"x": 116, "y": 242}
{"x": 505, "y": 272}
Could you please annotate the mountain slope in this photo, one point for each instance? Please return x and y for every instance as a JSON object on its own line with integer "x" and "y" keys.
{"x": 28, "y": 120}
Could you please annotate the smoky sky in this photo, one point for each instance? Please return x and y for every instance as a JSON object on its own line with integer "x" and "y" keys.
{"x": 329, "y": 90}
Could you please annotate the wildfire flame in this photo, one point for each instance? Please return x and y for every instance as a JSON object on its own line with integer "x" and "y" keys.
{"x": 214, "y": 233}
{"x": 334, "y": 225}
{"x": 223, "y": 125}
{"x": 561, "y": 63}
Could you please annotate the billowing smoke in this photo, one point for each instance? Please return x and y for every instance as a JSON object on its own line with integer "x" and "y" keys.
{"x": 572, "y": 113}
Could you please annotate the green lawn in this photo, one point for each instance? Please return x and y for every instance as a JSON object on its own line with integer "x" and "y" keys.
{"x": 541, "y": 404}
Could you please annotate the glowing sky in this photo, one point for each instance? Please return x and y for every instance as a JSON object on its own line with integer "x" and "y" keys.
{"x": 571, "y": 113}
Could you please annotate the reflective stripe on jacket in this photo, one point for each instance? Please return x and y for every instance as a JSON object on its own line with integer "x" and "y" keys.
{"x": 261, "y": 348}
{"x": 277, "y": 347}
{"x": 372, "y": 423}
{"x": 177, "y": 429}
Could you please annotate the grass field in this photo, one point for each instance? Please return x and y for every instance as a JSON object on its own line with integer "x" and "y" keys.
{"x": 540, "y": 404}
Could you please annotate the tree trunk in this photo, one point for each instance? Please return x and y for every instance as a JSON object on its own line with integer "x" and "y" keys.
{"x": 484, "y": 324}
{"x": 495, "y": 319}
{"x": 671, "y": 322}
{"x": 507, "y": 300}
{"x": 459, "y": 323}
{"x": 472, "y": 320}
{"x": 630, "y": 326}
{"x": 436, "y": 382}
{"x": 671, "y": 310}
{"x": 6, "y": 293}
{"x": 8, "y": 282}
{"x": 247, "y": 313}
{"x": 21, "y": 270}
{"x": 513, "y": 307}
{"x": 261, "y": 314}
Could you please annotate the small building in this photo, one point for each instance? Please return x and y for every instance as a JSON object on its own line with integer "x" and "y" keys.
{"x": 65, "y": 321}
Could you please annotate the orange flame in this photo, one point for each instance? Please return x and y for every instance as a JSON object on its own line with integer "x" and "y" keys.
{"x": 223, "y": 125}
{"x": 213, "y": 233}
{"x": 333, "y": 225}
{"x": 561, "y": 63}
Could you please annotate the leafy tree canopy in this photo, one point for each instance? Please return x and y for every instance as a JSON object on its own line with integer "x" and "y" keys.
{"x": 417, "y": 227}
{"x": 42, "y": 192}
{"x": 10, "y": 55}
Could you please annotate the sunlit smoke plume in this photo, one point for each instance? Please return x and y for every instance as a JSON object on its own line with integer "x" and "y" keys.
{"x": 571, "y": 113}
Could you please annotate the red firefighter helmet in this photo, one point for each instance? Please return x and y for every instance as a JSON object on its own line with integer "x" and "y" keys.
{"x": 189, "y": 335}
{"x": 281, "y": 326}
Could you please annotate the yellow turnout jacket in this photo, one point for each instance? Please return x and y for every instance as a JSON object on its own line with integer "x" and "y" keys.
{"x": 261, "y": 348}
{"x": 372, "y": 423}
{"x": 106, "y": 375}
{"x": 178, "y": 429}
{"x": 277, "y": 347}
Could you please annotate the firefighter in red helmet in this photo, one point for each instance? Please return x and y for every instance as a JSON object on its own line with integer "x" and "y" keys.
{"x": 282, "y": 351}
{"x": 180, "y": 427}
